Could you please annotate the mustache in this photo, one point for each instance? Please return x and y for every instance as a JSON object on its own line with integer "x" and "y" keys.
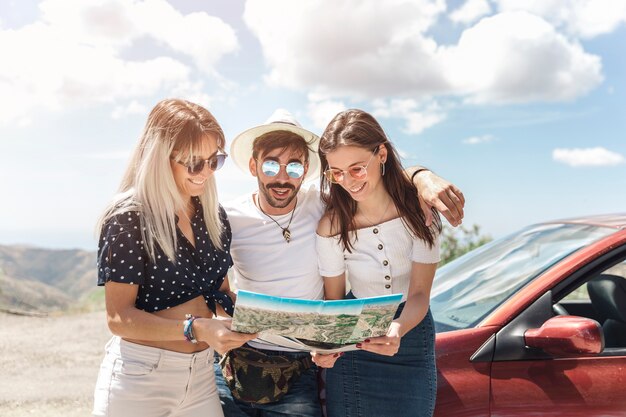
{"x": 279, "y": 185}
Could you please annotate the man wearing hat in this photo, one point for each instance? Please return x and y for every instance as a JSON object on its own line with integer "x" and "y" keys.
{"x": 273, "y": 237}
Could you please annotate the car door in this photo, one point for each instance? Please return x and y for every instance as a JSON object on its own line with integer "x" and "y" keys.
{"x": 527, "y": 381}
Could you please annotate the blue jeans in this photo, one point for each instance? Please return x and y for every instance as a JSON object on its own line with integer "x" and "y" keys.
{"x": 301, "y": 399}
{"x": 363, "y": 384}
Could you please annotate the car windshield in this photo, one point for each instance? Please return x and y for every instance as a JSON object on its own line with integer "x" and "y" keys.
{"x": 470, "y": 287}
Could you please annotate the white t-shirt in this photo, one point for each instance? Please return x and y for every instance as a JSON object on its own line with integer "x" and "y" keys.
{"x": 264, "y": 261}
{"x": 381, "y": 259}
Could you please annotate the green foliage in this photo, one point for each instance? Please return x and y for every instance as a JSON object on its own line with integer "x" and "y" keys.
{"x": 458, "y": 241}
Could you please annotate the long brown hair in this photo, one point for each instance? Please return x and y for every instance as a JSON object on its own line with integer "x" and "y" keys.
{"x": 357, "y": 128}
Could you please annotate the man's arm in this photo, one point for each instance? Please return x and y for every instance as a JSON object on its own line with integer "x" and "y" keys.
{"x": 436, "y": 192}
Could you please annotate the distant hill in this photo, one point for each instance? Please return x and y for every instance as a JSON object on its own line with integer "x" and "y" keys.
{"x": 45, "y": 280}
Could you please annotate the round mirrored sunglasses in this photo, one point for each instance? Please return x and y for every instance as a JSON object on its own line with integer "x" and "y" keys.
{"x": 271, "y": 168}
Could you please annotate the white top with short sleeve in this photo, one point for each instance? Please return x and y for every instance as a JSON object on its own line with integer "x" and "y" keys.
{"x": 381, "y": 259}
{"x": 263, "y": 261}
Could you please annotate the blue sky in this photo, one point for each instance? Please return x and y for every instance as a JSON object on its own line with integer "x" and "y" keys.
{"x": 522, "y": 104}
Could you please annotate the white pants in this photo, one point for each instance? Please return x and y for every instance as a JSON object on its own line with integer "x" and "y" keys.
{"x": 137, "y": 380}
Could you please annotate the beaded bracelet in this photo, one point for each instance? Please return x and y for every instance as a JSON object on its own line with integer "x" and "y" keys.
{"x": 188, "y": 328}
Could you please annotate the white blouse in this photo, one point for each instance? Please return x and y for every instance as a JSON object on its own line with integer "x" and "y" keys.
{"x": 381, "y": 259}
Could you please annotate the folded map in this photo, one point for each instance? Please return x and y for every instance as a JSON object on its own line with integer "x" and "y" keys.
{"x": 318, "y": 325}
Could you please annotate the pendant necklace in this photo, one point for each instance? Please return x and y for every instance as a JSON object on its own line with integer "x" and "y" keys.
{"x": 286, "y": 231}
{"x": 381, "y": 217}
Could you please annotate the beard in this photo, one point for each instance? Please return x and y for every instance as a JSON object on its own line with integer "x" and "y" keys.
{"x": 264, "y": 189}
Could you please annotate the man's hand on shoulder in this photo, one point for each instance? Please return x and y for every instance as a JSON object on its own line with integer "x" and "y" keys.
{"x": 444, "y": 196}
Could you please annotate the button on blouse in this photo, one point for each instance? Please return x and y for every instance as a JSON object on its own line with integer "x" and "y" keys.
{"x": 381, "y": 259}
{"x": 165, "y": 283}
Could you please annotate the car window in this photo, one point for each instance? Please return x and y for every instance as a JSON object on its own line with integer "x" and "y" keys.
{"x": 619, "y": 269}
{"x": 603, "y": 303}
{"x": 581, "y": 294}
{"x": 470, "y": 287}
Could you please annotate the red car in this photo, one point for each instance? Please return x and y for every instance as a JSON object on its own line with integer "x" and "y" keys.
{"x": 534, "y": 324}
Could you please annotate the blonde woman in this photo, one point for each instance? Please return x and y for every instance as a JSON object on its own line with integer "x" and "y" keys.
{"x": 163, "y": 254}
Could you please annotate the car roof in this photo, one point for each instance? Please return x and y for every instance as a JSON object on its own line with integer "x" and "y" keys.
{"x": 616, "y": 221}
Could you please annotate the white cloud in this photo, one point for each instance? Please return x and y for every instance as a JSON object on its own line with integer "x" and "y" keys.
{"x": 587, "y": 157}
{"x": 203, "y": 37}
{"x": 131, "y": 108}
{"x": 518, "y": 57}
{"x": 75, "y": 54}
{"x": 403, "y": 154}
{"x": 369, "y": 50}
{"x": 417, "y": 118}
{"x": 581, "y": 18}
{"x": 192, "y": 91}
{"x": 322, "y": 112}
{"x": 476, "y": 140}
{"x": 363, "y": 48}
{"x": 109, "y": 156}
{"x": 471, "y": 11}
{"x": 416, "y": 122}
{"x": 95, "y": 22}
{"x": 117, "y": 23}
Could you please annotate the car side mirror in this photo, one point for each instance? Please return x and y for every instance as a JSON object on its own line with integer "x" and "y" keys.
{"x": 566, "y": 336}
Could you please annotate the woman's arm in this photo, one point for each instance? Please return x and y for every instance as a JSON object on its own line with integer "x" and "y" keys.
{"x": 127, "y": 321}
{"x": 418, "y": 300}
{"x": 415, "y": 310}
{"x": 330, "y": 260}
{"x": 330, "y": 256}
{"x": 335, "y": 287}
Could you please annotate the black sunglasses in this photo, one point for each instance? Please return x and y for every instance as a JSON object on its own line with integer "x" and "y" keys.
{"x": 195, "y": 167}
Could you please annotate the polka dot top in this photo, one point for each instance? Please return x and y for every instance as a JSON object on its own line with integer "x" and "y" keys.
{"x": 166, "y": 283}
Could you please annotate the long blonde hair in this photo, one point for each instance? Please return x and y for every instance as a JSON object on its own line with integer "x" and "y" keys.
{"x": 148, "y": 185}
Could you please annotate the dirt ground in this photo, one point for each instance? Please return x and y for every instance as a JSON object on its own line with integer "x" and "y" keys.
{"x": 49, "y": 365}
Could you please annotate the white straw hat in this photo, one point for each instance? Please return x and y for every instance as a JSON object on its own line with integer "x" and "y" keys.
{"x": 281, "y": 119}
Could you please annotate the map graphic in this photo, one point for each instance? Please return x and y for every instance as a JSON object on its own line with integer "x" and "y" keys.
{"x": 318, "y": 324}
